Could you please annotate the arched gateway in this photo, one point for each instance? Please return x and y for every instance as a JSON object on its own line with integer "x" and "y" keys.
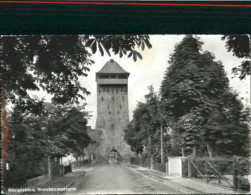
{"x": 114, "y": 157}
{"x": 112, "y": 110}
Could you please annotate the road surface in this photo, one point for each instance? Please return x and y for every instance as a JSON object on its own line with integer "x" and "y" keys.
{"x": 114, "y": 178}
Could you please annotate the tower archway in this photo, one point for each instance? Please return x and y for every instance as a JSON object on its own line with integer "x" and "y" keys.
{"x": 113, "y": 156}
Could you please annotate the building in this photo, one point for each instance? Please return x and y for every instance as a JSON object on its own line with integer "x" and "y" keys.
{"x": 112, "y": 111}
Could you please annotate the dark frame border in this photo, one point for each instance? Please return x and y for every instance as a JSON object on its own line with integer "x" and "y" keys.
{"x": 144, "y": 17}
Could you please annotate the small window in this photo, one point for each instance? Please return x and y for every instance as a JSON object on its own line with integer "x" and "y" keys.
{"x": 102, "y": 98}
{"x": 123, "y": 98}
{"x": 113, "y": 98}
{"x": 109, "y": 112}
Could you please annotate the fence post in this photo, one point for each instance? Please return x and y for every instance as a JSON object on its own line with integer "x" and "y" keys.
{"x": 140, "y": 160}
{"x": 166, "y": 165}
{"x": 151, "y": 161}
{"x": 235, "y": 176}
{"x": 206, "y": 171}
{"x": 189, "y": 174}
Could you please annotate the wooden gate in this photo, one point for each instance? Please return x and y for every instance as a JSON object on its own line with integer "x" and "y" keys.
{"x": 207, "y": 171}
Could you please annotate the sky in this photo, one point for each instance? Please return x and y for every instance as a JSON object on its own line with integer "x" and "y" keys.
{"x": 150, "y": 70}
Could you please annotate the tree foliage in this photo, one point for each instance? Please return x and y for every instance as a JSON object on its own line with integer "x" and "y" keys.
{"x": 54, "y": 63}
{"x": 143, "y": 132}
{"x": 227, "y": 130}
{"x": 239, "y": 45}
{"x": 194, "y": 87}
{"x": 58, "y": 131}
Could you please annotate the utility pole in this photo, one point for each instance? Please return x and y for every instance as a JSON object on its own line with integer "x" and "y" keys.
{"x": 162, "y": 118}
{"x": 161, "y": 142}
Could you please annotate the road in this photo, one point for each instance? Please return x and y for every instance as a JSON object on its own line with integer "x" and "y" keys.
{"x": 114, "y": 178}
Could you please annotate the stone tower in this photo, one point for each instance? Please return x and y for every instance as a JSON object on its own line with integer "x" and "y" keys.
{"x": 112, "y": 109}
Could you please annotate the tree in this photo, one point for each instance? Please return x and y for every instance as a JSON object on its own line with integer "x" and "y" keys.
{"x": 143, "y": 132}
{"x": 240, "y": 46}
{"x": 226, "y": 130}
{"x": 54, "y": 63}
{"x": 194, "y": 87}
{"x": 133, "y": 137}
{"x": 58, "y": 131}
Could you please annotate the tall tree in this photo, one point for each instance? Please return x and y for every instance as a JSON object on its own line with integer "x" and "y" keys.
{"x": 143, "y": 132}
{"x": 194, "y": 86}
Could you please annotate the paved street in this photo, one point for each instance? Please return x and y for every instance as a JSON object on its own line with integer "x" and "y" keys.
{"x": 108, "y": 179}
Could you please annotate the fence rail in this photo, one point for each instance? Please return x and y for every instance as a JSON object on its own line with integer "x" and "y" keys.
{"x": 146, "y": 162}
{"x": 232, "y": 173}
{"x": 159, "y": 167}
{"x": 225, "y": 172}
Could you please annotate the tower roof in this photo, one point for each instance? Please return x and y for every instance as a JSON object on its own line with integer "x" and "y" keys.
{"x": 112, "y": 67}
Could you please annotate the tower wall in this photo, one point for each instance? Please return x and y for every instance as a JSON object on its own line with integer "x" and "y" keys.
{"x": 113, "y": 116}
{"x": 112, "y": 110}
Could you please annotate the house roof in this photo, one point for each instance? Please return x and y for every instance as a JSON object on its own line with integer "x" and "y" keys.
{"x": 112, "y": 67}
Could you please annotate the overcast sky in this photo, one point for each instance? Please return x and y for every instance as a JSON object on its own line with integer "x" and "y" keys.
{"x": 151, "y": 69}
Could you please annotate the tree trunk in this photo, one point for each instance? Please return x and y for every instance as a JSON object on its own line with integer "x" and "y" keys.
{"x": 149, "y": 147}
{"x": 209, "y": 150}
{"x": 49, "y": 167}
{"x": 151, "y": 161}
{"x": 161, "y": 143}
{"x": 58, "y": 166}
